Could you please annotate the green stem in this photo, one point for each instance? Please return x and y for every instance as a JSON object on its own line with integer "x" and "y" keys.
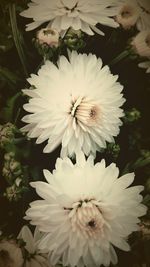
{"x": 16, "y": 37}
{"x": 120, "y": 57}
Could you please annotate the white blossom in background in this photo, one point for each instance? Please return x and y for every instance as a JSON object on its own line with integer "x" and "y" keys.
{"x": 10, "y": 254}
{"x": 35, "y": 258}
{"x": 48, "y": 36}
{"x": 128, "y": 14}
{"x": 81, "y": 15}
{"x": 76, "y": 104}
{"x": 85, "y": 211}
{"x": 141, "y": 44}
{"x": 145, "y": 65}
{"x": 134, "y": 13}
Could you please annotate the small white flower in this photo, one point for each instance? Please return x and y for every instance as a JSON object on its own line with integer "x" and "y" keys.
{"x": 77, "y": 14}
{"x": 85, "y": 210}
{"x": 135, "y": 12}
{"x": 128, "y": 14}
{"x": 141, "y": 43}
{"x": 76, "y": 104}
{"x": 145, "y": 65}
{"x": 48, "y": 36}
{"x": 10, "y": 254}
{"x": 36, "y": 258}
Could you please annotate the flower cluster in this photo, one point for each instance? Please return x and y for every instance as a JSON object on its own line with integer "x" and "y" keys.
{"x": 86, "y": 209}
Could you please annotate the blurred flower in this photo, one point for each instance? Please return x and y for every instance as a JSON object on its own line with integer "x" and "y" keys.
{"x": 145, "y": 65}
{"x": 145, "y": 229}
{"x": 135, "y": 12}
{"x": 48, "y": 36}
{"x": 10, "y": 254}
{"x": 141, "y": 43}
{"x": 77, "y": 103}
{"x": 12, "y": 168}
{"x": 144, "y": 20}
{"x": 85, "y": 210}
{"x": 128, "y": 14}
{"x": 34, "y": 256}
{"x": 132, "y": 115}
{"x": 76, "y": 14}
{"x": 6, "y": 134}
{"x": 14, "y": 192}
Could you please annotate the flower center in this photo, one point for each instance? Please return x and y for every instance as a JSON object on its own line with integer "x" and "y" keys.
{"x": 87, "y": 219}
{"x": 71, "y": 9}
{"x": 127, "y": 12}
{"x": 85, "y": 112}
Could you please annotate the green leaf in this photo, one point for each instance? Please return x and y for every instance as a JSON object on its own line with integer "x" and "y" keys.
{"x": 17, "y": 37}
{"x": 7, "y": 113}
{"x": 8, "y": 76}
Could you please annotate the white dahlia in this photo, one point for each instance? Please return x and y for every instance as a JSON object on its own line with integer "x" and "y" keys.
{"x": 135, "y": 12}
{"x": 85, "y": 210}
{"x": 145, "y": 65}
{"x": 81, "y": 15}
{"x": 35, "y": 258}
{"x": 76, "y": 103}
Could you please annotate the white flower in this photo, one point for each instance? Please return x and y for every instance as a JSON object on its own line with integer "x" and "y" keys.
{"x": 77, "y": 103}
{"x": 141, "y": 43}
{"x": 85, "y": 210}
{"x": 128, "y": 14}
{"x": 36, "y": 258}
{"x": 77, "y": 14}
{"x": 10, "y": 254}
{"x": 145, "y": 65}
{"x": 135, "y": 12}
{"x": 48, "y": 36}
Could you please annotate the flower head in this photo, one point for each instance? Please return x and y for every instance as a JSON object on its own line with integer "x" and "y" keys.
{"x": 85, "y": 210}
{"x": 76, "y": 14}
{"x": 141, "y": 43}
{"x": 76, "y": 104}
{"x": 34, "y": 257}
{"x": 10, "y": 254}
{"x": 128, "y": 14}
{"x": 134, "y": 13}
{"x": 48, "y": 36}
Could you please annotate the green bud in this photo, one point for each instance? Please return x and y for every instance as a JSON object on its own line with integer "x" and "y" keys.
{"x": 6, "y": 134}
{"x": 132, "y": 115}
{"x": 74, "y": 39}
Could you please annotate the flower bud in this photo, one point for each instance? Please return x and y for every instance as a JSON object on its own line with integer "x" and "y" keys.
{"x": 48, "y": 36}
{"x": 73, "y": 39}
{"x": 6, "y": 134}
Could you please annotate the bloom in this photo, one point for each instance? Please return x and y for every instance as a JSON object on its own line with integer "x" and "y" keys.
{"x": 10, "y": 254}
{"x": 85, "y": 210}
{"x": 128, "y": 14}
{"x": 77, "y": 14}
{"x": 145, "y": 65}
{"x": 48, "y": 36}
{"x": 141, "y": 43}
{"x": 35, "y": 257}
{"x": 77, "y": 103}
{"x": 133, "y": 13}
